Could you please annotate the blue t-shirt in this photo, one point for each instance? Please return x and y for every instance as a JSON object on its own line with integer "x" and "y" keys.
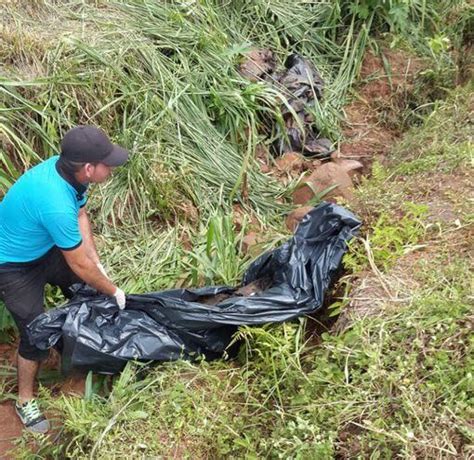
{"x": 38, "y": 212}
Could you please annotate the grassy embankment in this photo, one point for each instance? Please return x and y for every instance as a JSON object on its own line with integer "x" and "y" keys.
{"x": 162, "y": 79}
{"x": 396, "y": 381}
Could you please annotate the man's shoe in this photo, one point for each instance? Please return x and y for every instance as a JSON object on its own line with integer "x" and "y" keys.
{"x": 31, "y": 416}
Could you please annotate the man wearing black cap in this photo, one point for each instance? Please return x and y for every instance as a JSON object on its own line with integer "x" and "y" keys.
{"x": 46, "y": 237}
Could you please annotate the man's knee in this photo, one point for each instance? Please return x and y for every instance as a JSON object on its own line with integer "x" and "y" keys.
{"x": 28, "y": 351}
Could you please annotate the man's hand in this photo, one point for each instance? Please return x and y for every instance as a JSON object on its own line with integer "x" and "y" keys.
{"x": 120, "y": 298}
{"x": 119, "y": 294}
{"x": 93, "y": 274}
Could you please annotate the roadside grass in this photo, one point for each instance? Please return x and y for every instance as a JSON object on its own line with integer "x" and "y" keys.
{"x": 395, "y": 383}
{"x": 444, "y": 143}
{"x": 161, "y": 78}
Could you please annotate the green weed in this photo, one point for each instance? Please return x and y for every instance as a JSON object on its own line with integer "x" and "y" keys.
{"x": 6, "y": 321}
{"x": 218, "y": 259}
{"x": 388, "y": 239}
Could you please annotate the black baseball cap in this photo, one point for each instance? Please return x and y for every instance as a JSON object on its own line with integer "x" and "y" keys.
{"x": 89, "y": 144}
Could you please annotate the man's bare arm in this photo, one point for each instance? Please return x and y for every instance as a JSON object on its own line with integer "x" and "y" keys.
{"x": 87, "y": 236}
{"x": 84, "y": 267}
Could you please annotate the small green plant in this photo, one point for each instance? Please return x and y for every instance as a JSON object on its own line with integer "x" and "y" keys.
{"x": 218, "y": 258}
{"x": 388, "y": 239}
{"x": 6, "y": 321}
{"x": 273, "y": 350}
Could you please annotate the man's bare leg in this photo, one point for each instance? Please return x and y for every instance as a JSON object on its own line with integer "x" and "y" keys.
{"x": 27, "y": 371}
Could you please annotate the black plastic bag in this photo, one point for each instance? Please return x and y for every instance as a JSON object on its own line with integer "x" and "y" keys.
{"x": 303, "y": 84}
{"x": 93, "y": 334}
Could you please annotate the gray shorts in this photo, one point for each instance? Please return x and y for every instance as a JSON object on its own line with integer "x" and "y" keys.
{"x": 22, "y": 291}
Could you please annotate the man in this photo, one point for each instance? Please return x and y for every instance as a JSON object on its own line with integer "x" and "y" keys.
{"x": 46, "y": 237}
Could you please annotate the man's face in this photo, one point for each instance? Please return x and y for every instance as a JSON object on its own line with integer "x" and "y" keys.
{"x": 98, "y": 173}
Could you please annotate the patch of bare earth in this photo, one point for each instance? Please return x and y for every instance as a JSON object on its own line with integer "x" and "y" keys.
{"x": 370, "y": 128}
{"x": 11, "y": 429}
{"x": 10, "y": 425}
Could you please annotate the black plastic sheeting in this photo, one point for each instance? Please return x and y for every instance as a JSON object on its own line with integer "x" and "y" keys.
{"x": 302, "y": 85}
{"x": 93, "y": 334}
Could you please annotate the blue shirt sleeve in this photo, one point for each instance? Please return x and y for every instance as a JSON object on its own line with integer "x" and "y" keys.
{"x": 83, "y": 202}
{"x": 64, "y": 229}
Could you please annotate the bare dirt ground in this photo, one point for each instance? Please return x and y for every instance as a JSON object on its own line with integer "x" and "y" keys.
{"x": 370, "y": 128}
{"x": 10, "y": 426}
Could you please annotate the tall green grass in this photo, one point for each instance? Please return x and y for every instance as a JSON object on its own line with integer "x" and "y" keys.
{"x": 161, "y": 78}
{"x": 395, "y": 383}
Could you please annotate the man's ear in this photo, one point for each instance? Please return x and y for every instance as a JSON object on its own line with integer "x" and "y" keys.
{"x": 88, "y": 170}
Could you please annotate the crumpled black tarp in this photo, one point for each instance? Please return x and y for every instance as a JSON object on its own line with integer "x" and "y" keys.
{"x": 161, "y": 326}
{"x": 302, "y": 85}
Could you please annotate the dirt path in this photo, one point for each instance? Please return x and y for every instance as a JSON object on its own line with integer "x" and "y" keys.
{"x": 372, "y": 122}
{"x": 10, "y": 425}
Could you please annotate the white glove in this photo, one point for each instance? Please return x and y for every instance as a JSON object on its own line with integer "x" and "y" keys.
{"x": 102, "y": 269}
{"x": 120, "y": 298}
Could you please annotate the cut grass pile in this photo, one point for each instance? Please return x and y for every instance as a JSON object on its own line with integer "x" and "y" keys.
{"x": 161, "y": 78}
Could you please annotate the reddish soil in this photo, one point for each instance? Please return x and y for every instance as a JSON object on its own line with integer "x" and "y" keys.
{"x": 295, "y": 217}
{"x": 10, "y": 425}
{"x": 10, "y": 429}
{"x": 7, "y": 353}
{"x": 370, "y": 128}
{"x": 74, "y": 385}
{"x": 7, "y": 364}
{"x": 322, "y": 179}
